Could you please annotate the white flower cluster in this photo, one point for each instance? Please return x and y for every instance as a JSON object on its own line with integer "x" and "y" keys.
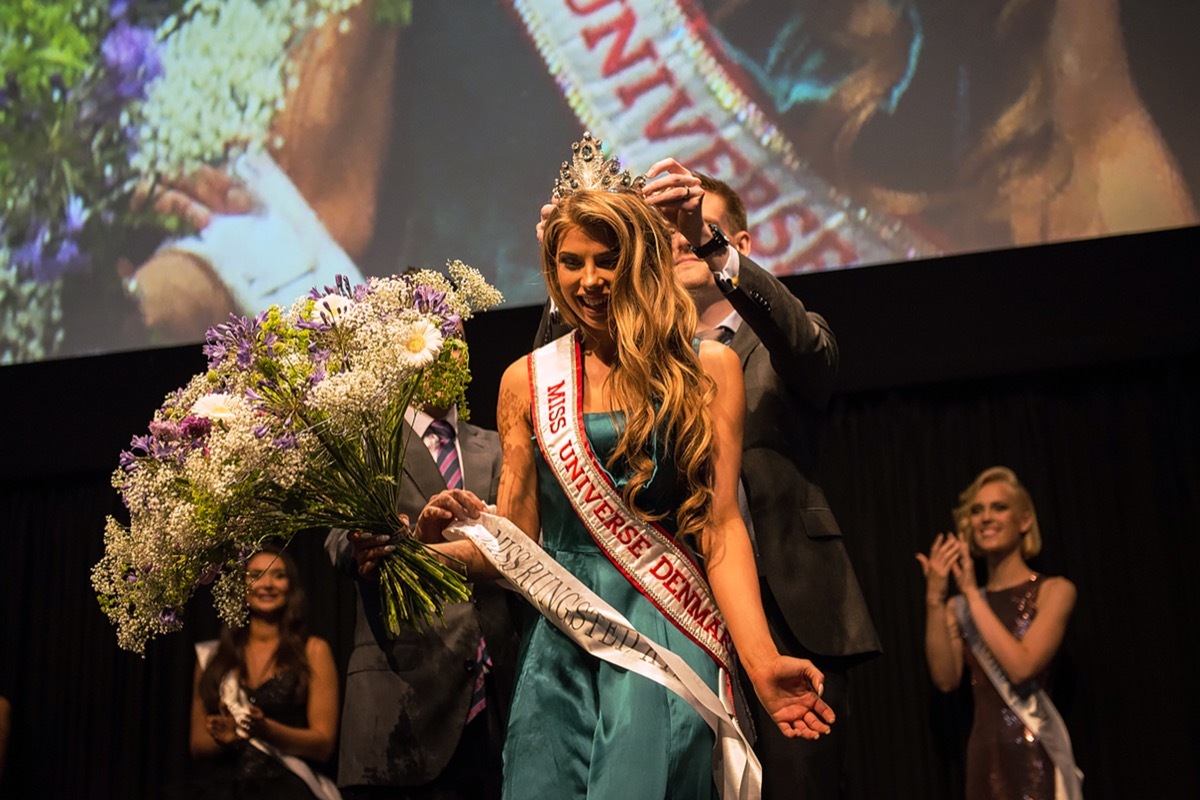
{"x": 246, "y": 450}
{"x": 30, "y": 315}
{"x": 191, "y": 512}
{"x": 227, "y": 71}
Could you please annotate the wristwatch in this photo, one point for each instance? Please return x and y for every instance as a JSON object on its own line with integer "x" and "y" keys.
{"x": 715, "y": 245}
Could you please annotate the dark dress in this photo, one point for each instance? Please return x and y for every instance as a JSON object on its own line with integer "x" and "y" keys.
{"x": 582, "y": 727}
{"x": 1004, "y": 760}
{"x": 246, "y": 773}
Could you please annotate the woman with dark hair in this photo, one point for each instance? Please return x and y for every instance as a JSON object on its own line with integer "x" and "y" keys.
{"x": 265, "y": 698}
{"x": 622, "y": 446}
{"x": 1012, "y": 626}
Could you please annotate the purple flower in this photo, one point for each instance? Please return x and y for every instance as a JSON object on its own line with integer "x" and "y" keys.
{"x": 168, "y": 616}
{"x": 430, "y": 301}
{"x": 451, "y": 326}
{"x": 193, "y": 427}
{"x": 28, "y": 257}
{"x": 70, "y": 258}
{"x": 209, "y": 575}
{"x": 236, "y": 336}
{"x": 34, "y": 256}
{"x": 132, "y": 59}
{"x": 286, "y": 441}
{"x": 260, "y": 431}
{"x": 313, "y": 325}
{"x": 118, "y": 9}
{"x": 128, "y": 461}
{"x": 164, "y": 431}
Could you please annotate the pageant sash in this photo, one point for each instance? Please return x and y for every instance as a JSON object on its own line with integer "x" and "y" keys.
{"x": 1034, "y": 709}
{"x": 233, "y": 696}
{"x": 653, "y": 79}
{"x": 594, "y": 625}
{"x": 646, "y": 555}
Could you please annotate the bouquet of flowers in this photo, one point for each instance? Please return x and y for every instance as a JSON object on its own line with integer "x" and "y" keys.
{"x": 71, "y": 74}
{"x": 101, "y": 103}
{"x": 299, "y": 422}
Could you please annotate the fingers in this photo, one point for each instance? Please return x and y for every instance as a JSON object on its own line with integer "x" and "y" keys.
{"x": 369, "y": 550}
{"x": 173, "y": 203}
{"x": 196, "y": 198}
{"x": 444, "y": 508}
{"x": 669, "y": 166}
{"x": 675, "y": 191}
{"x": 545, "y": 214}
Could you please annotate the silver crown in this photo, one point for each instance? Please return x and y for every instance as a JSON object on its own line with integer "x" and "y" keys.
{"x": 589, "y": 169}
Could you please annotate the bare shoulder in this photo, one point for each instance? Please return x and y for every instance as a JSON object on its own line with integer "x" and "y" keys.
{"x": 718, "y": 359}
{"x": 1057, "y": 591}
{"x": 515, "y": 380}
{"x": 317, "y": 648}
{"x": 722, "y": 364}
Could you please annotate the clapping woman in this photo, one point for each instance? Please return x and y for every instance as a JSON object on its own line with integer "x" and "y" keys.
{"x": 265, "y": 698}
{"x": 1006, "y": 632}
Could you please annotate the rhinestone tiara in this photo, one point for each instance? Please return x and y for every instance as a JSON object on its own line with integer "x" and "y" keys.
{"x": 589, "y": 169}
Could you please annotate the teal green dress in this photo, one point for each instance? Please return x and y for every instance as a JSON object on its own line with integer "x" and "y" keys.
{"x": 581, "y": 727}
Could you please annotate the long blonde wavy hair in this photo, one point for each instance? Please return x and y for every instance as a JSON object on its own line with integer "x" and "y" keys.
{"x": 656, "y": 378}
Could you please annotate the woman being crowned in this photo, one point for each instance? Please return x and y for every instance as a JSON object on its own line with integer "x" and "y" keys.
{"x": 622, "y": 446}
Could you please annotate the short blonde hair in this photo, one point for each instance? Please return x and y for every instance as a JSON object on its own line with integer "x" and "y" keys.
{"x": 1031, "y": 542}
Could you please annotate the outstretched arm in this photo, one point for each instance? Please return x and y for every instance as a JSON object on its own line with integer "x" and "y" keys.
{"x": 789, "y": 688}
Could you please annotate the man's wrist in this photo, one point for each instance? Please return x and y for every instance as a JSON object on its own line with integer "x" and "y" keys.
{"x": 716, "y": 243}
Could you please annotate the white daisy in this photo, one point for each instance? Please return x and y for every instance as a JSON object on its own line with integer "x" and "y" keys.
{"x": 217, "y": 407}
{"x": 419, "y": 344}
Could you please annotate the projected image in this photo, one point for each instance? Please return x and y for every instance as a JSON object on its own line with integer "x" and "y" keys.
{"x": 163, "y": 164}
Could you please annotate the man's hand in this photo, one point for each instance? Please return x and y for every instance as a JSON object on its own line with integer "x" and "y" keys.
{"x": 677, "y": 194}
{"x": 443, "y": 509}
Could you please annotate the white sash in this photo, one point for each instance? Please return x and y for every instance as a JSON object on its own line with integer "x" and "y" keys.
{"x": 653, "y": 80}
{"x": 1035, "y": 710}
{"x": 604, "y": 632}
{"x": 646, "y": 555}
{"x": 234, "y": 698}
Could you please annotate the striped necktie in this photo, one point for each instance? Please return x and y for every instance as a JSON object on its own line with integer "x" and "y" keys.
{"x": 447, "y": 462}
{"x": 447, "y": 453}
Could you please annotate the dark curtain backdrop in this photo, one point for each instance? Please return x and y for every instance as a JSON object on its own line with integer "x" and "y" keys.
{"x": 1074, "y": 364}
{"x": 1111, "y": 457}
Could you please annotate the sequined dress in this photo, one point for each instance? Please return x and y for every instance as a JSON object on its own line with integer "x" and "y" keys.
{"x": 1004, "y": 761}
{"x": 579, "y": 726}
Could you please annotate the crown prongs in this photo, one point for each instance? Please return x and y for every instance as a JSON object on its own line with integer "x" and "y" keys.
{"x": 588, "y": 169}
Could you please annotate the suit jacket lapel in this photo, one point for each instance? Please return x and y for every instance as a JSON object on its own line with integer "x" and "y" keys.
{"x": 743, "y": 343}
{"x": 420, "y": 467}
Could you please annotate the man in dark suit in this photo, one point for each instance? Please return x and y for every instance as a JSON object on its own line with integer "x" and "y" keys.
{"x": 405, "y": 730}
{"x": 789, "y": 357}
{"x": 813, "y": 603}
